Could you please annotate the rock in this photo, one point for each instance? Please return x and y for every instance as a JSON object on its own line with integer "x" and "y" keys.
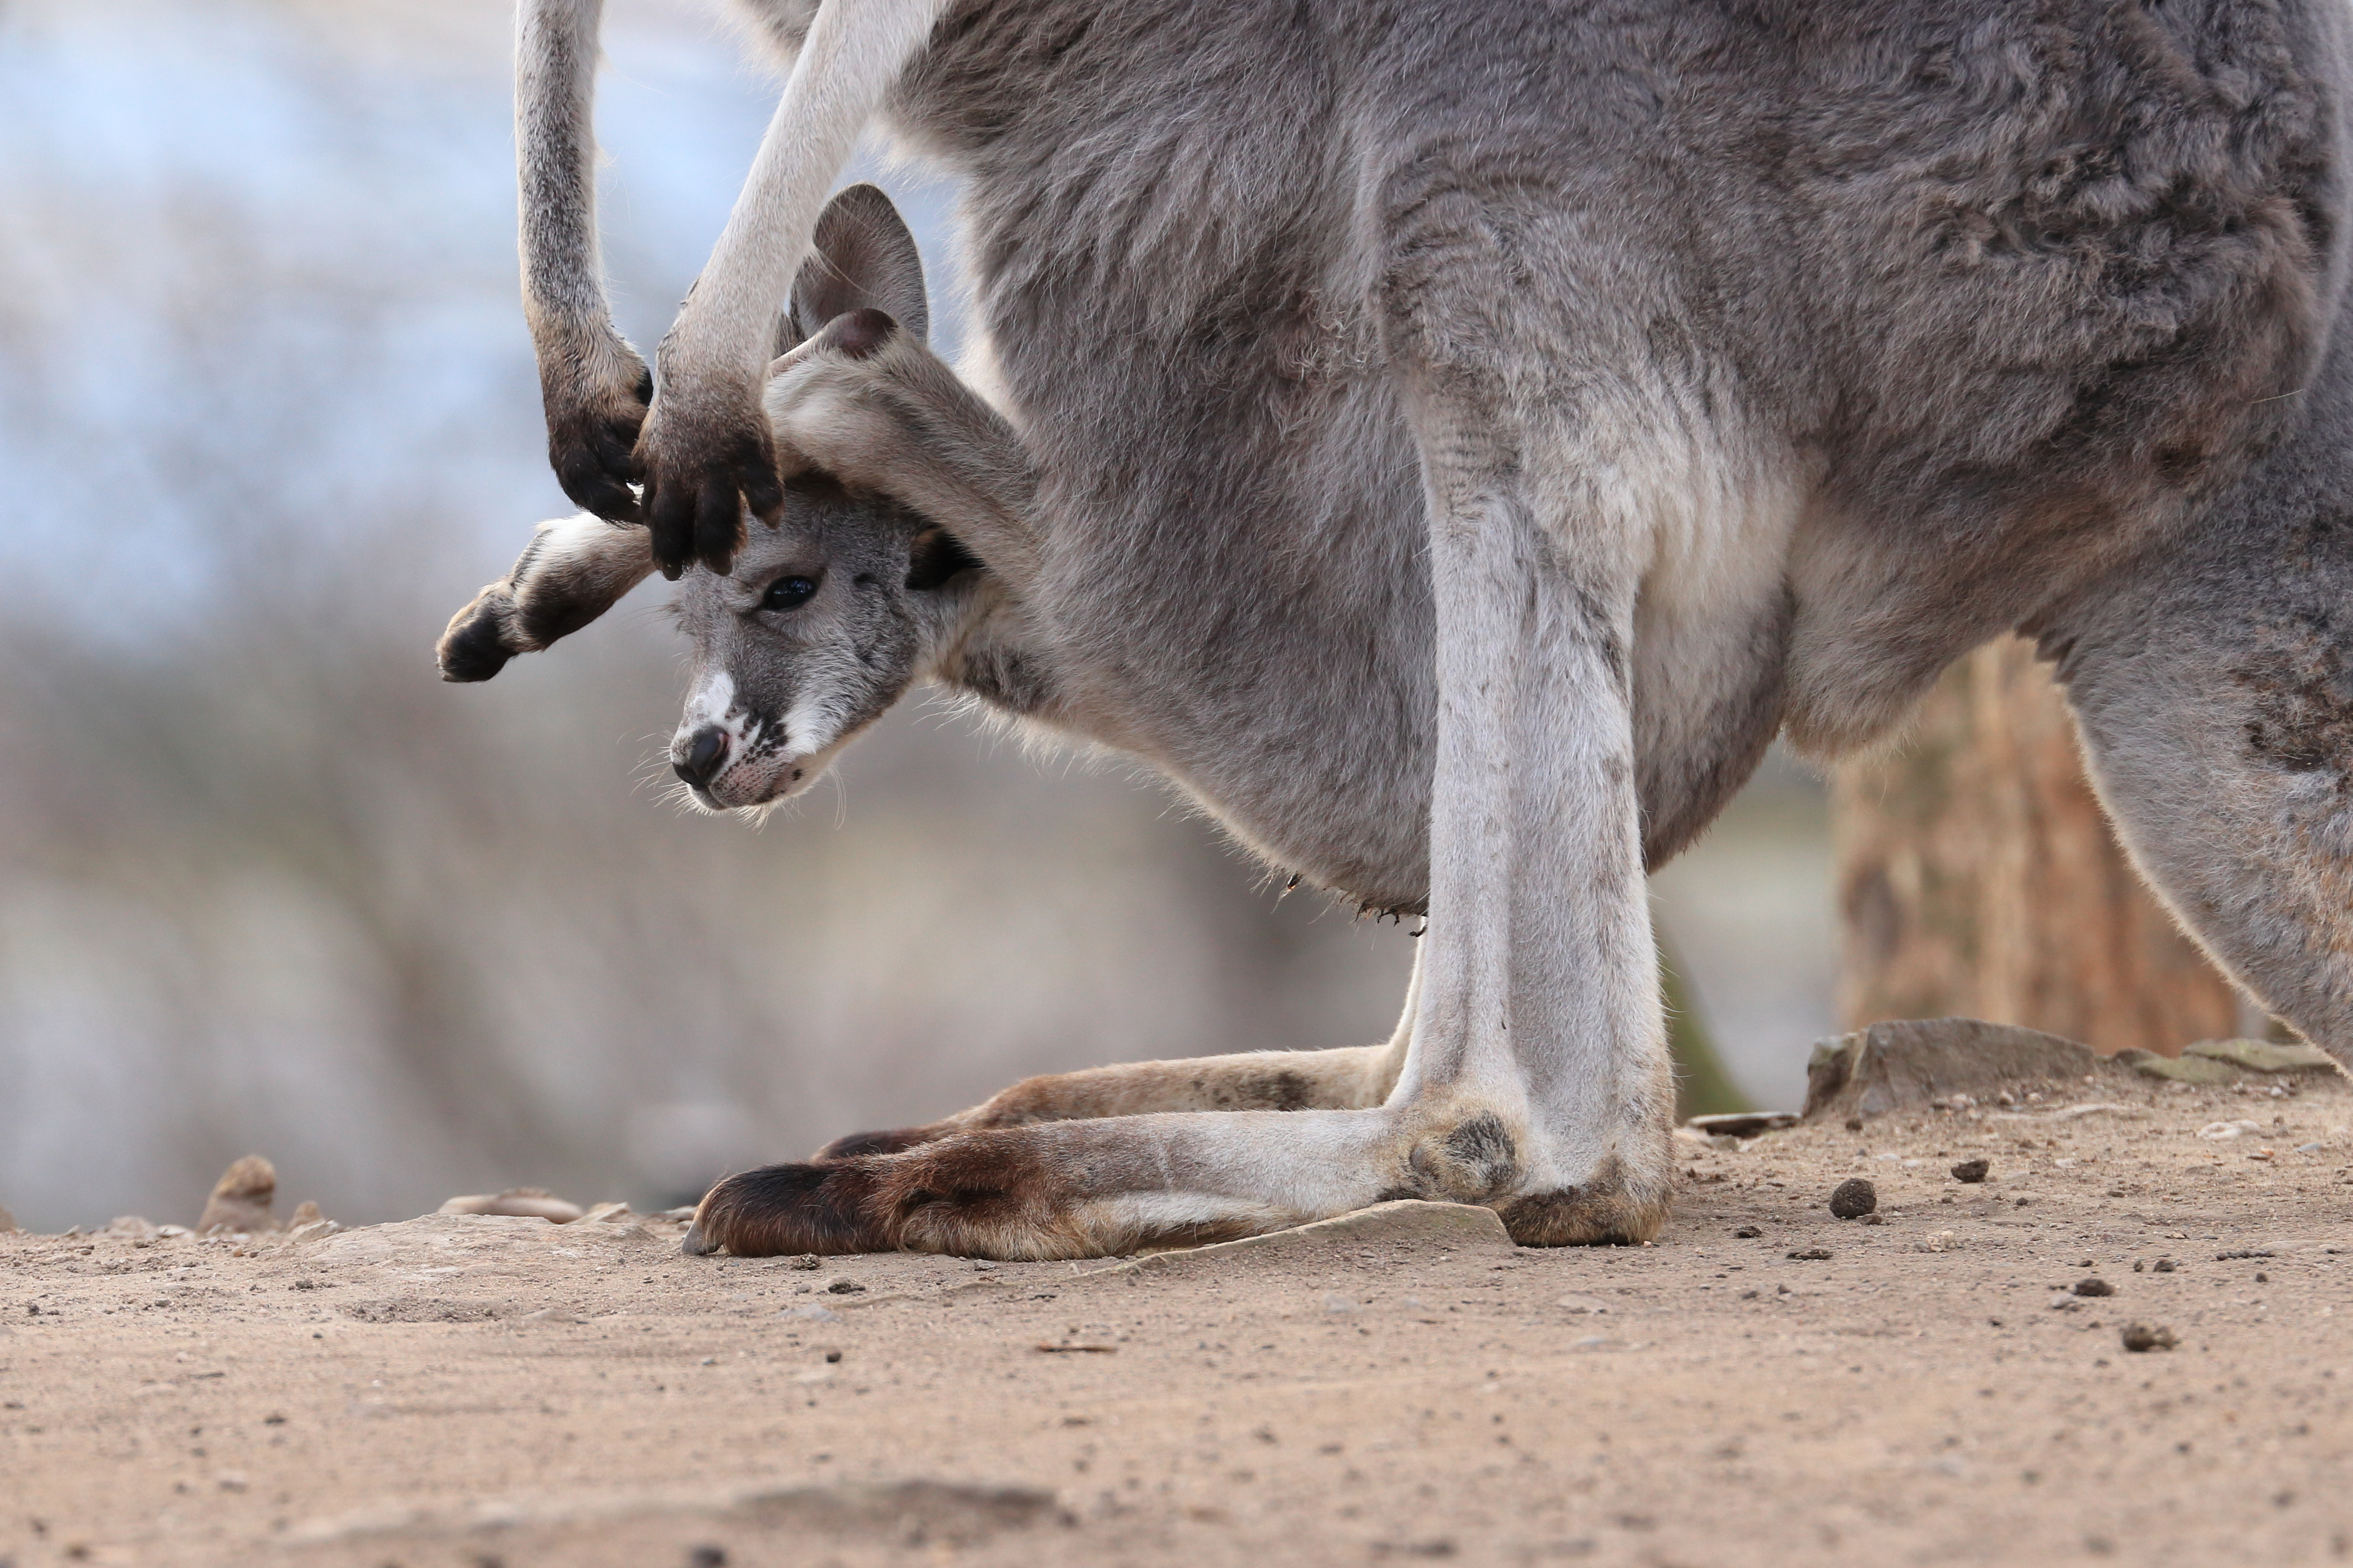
{"x": 2200, "y": 1070}
{"x": 1749, "y": 1232}
{"x": 2262, "y": 1056}
{"x": 241, "y": 1200}
{"x": 2141, "y": 1337}
{"x": 806, "y": 1260}
{"x": 315, "y": 1230}
{"x": 1906, "y": 1065}
{"x": 1461, "y": 1227}
{"x": 2093, "y": 1287}
{"x": 1853, "y": 1198}
{"x": 1741, "y": 1124}
{"x": 599, "y": 1214}
{"x": 1812, "y": 1254}
{"x": 847, "y": 1287}
{"x": 438, "y": 1239}
{"x": 2224, "y": 1131}
{"x": 518, "y": 1203}
{"x": 1972, "y": 1170}
{"x": 130, "y": 1224}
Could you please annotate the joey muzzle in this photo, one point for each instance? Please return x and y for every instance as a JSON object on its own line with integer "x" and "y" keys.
{"x": 704, "y": 756}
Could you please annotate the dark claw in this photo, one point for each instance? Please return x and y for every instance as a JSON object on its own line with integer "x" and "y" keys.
{"x": 669, "y": 514}
{"x": 763, "y": 493}
{"x": 718, "y": 527}
{"x": 594, "y": 461}
{"x": 592, "y": 489}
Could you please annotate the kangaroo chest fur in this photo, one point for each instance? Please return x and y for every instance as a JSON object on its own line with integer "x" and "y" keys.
{"x": 1894, "y": 323}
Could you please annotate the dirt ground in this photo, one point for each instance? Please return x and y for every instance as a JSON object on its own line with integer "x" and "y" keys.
{"x": 1767, "y": 1384}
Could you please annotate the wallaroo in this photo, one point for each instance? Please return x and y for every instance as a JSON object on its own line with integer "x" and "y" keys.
{"x": 1452, "y": 437}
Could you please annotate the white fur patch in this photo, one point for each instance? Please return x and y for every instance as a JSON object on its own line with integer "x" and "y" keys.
{"x": 569, "y": 540}
{"x": 710, "y": 702}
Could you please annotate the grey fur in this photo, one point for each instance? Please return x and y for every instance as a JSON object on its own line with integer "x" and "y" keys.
{"x": 1453, "y": 438}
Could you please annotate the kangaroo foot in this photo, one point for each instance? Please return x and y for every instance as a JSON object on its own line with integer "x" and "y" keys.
{"x": 1065, "y": 1189}
{"x": 1608, "y": 1210}
{"x": 981, "y": 1194}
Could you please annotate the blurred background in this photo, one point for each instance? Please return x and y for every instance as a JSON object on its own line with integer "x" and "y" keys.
{"x": 267, "y": 885}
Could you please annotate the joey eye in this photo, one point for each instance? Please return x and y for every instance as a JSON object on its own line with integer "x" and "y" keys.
{"x": 788, "y": 593}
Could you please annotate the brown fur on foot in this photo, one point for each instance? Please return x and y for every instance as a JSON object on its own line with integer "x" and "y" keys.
{"x": 241, "y": 1200}
{"x": 8, "y": 1222}
{"x": 994, "y": 1193}
{"x": 1604, "y": 1211}
{"x": 781, "y": 1209}
{"x": 887, "y": 1143}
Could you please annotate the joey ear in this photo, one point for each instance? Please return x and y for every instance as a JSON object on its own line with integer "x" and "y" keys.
{"x": 573, "y": 570}
{"x": 935, "y": 556}
{"x": 862, "y": 257}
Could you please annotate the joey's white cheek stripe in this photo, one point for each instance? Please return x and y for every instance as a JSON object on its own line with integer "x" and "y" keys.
{"x": 805, "y": 728}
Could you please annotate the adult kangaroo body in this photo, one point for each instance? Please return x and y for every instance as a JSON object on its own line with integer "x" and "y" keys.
{"x": 1743, "y": 365}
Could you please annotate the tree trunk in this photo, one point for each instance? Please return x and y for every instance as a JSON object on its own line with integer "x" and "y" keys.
{"x": 1977, "y": 877}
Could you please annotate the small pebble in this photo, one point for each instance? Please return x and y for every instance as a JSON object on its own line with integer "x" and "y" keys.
{"x": 1853, "y": 1198}
{"x": 1972, "y": 1170}
{"x": 707, "y": 1557}
{"x": 1812, "y": 1254}
{"x": 2141, "y": 1337}
{"x": 806, "y": 1260}
{"x": 2095, "y": 1287}
{"x": 846, "y": 1288}
{"x": 2162, "y": 1266}
{"x": 1748, "y": 1232}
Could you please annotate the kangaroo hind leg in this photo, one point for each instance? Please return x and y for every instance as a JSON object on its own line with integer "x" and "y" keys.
{"x": 1349, "y": 1077}
{"x": 2213, "y": 686}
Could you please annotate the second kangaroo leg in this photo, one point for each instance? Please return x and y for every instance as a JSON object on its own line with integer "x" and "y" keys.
{"x": 2213, "y": 686}
{"x": 1348, "y": 1077}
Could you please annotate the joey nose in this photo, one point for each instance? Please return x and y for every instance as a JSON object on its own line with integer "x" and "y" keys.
{"x": 706, "y": 754}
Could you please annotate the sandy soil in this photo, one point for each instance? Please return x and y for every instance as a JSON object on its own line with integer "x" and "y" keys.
{"x": 1767, "y": 1384}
